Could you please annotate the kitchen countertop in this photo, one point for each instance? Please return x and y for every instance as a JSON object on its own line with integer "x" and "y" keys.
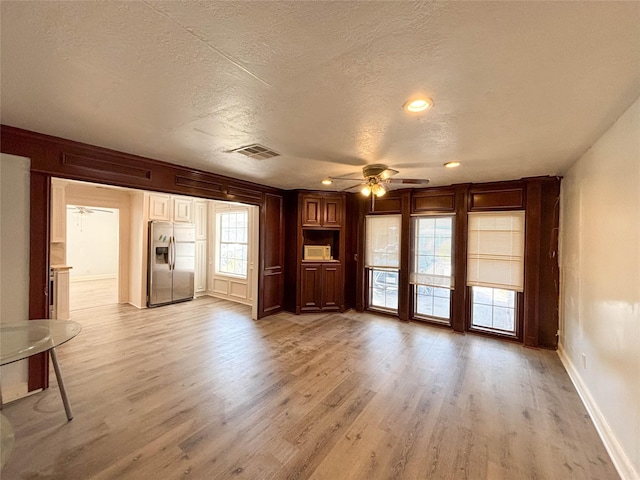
{"x": 61, "y": 267}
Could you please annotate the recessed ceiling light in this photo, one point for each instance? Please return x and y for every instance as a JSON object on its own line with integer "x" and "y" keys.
{"x": 418, "y": 105}
{"x": 327, "y": 181}
{"x": 452, "y": 164}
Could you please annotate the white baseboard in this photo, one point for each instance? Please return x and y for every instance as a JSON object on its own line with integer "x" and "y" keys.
{"x": 88, "y": 278}
{"x": 616, "y": 452}
{"x": 228, "y": 297}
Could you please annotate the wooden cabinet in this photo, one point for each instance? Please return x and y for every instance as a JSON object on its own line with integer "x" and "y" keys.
{"x": 311, "y": 287}
{"x": 319, "y": 284}
{"x": 160, "y": 207}
{"x": 332, "y": 287}
{"x": 200, "y": 207}
{"x": 170, "y": 208}
{"x": 58, "y": 214}
{"x": 201, "y": 267}
{"x": 321, "y": 288}
{"x": 322, "y": 210}
{"x": 183, "y": 209}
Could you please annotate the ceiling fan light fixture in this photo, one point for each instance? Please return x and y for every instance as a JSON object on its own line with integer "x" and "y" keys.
{"x": 418, "y": 105}
{"x": 452, "y": 164}
{"x": 366, "y": 190}
{"x": 327, "y": 181}
{"x": 378, "y": 190}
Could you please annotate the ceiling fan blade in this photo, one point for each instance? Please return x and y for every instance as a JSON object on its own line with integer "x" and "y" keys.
{"x": 410, "y": 181}
{"x": 389, "y": 172}
{"x": 347, "y": 177}
{"x": 352, "y": 186}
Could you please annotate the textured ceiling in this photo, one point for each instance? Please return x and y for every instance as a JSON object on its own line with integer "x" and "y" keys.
{"x": 520, "y": 88}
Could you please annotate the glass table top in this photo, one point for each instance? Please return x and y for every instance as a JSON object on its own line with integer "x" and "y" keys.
{"x": 20, "y": 340}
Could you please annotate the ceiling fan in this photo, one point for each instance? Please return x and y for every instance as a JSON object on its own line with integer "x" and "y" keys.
{"x": 375, "y": 179}
{"x": 80, "y": 210}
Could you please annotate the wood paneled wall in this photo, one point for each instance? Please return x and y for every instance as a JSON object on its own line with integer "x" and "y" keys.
{"x": 538, "y": 197}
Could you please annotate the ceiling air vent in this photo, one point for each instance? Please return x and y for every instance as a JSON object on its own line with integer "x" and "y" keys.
{"x": 256, "y": 151}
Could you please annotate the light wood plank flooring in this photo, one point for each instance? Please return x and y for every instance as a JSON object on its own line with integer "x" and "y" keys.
{"x": 199, "y": 390}
{"x": 92, "y": 293}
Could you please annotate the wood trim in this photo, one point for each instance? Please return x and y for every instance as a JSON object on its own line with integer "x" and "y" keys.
{"x": 40, "y": 189}
{"x": 389, "y": 204}
{"x": 502, "y": 196}
{"x": 65, "y": 158}
{"x": 459, "y": 310}
{"x": 549, "y": 286}
{"x": 271, "y": 255}
{"x": 532, "y": 263}
{"x": 436, "y": 201}
{"x": 404, "y": 287}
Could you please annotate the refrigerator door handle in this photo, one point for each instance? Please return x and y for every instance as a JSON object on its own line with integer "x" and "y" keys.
{"x": 172, "y": 253}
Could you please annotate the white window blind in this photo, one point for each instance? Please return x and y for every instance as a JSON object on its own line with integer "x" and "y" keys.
{"x": 432, "y": 252}
{"x": 383, "y": 241}
{"x": 495, "y": 255}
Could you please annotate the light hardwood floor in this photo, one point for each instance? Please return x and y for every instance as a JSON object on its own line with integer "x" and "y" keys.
{"x": 199, "y": 390}
{"x": 92, "y": 293}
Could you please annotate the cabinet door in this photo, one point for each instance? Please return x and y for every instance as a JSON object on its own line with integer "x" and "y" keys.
{"x": 58, "y": 215}
{"x": 332, "y": 210}
{"x": 182, "y": 209}
{"x": 331, "y": 286}
{"x": 159, "y": 207}
{"x": 201, "y": 266}
{"x": 311, "y": 288}
{"x": 201, "y": 219}
{"x": 311, "y": 211}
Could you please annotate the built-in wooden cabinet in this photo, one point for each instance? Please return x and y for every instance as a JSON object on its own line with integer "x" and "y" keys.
{"x": 159, "y": 207}
{"x": 322, "y": 211}
{"x": 200, "y": 210}
{"x": 320, "y": 282}
{"x": 311, "y": 287}
{"x": 200, "y": 279}
{"x": 183, "y": 209}
{"x": 170, "y": 208}
{"x": 58, "y": 231}
{"x": 200, "y": 219}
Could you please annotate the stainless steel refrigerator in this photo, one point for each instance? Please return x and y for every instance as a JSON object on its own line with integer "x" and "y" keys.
{"x": 171, "y": 263}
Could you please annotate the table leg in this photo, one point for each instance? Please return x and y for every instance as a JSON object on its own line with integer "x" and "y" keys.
{"x": 63, "y": 391}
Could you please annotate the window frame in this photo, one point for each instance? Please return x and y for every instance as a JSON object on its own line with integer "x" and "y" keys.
{"x": 518, "y": 313}
{"x": 371, "y": 269}
{"x": 220, "y": 242}
{"x": 413, "y": 292}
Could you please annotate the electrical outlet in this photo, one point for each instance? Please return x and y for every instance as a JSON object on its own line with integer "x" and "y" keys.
{"x": 584, "y": 361}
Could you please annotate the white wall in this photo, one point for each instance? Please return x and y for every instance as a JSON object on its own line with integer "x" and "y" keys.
{"x": 14, "y": 261}
{"x": 98, "y": 196}
{"x": 92, "y": 243}
{"x": 600, "y": 278}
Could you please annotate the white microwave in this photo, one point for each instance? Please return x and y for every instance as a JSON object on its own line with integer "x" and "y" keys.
{"x": 317, "y": 252}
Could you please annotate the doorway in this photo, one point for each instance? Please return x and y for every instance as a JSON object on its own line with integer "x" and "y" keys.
{"x": 93, "y": 250}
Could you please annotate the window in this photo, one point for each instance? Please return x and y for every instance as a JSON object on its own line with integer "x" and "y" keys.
{"x": 494, "y": 309}
{"x": 232, "y": 243}
{"x": 431, "y": 274}
{"x": 495, "y": 269}
{"x": 382, "y": 259}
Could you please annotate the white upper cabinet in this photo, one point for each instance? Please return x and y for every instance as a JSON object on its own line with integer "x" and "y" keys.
{"x": 170, "y": 208}
{"x": 160, "y": 207}
{"x": 183, "y": 209}
{"x": 201, "y": 219}
{"x": 58, "y": 213}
